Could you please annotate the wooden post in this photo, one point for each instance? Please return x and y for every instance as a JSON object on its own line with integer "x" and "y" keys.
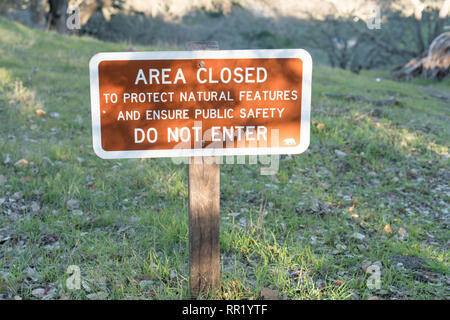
{"x": 204, "y": 214}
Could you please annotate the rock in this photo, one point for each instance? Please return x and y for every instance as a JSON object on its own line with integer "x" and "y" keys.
{"x": 7, "y": 159}
{"x": 77, "y": 212}
{"x": 55, "y": 115}
{"x": 365, "y": 265}
{"x": 378, "y": 264}
{"x": 97, "y": 296}
{"x": 269, "y": 294}
{"x": 410, "y": 262}
{"x": 85, "y": 286}
{"x": 38, "y": 293}
{"x": 340, "y": 154}
{"x": 359, "y": 236}
{"x": 399, "y": 266}
{"x": 35, "y": 206}
{"x": 413, "y": 173}
{"x": 72, "y": 204}
{"x": 49, "y": 294}
{"x": 146, "y": 283}
{"x": 32, "y": 274}
{"x": 355, "y": 296}
{"x": 17, "y": 196}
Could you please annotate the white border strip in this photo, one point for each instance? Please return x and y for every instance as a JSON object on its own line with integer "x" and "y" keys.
{"x": 207, "y": 54}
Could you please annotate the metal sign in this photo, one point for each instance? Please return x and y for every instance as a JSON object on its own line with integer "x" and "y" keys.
{"x": 200, "y": 103}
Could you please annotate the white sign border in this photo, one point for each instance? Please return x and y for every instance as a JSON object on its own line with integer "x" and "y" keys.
{"x": 206, "y": 54}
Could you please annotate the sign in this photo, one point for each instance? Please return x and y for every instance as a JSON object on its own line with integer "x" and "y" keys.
{"x": 200, "y": 103}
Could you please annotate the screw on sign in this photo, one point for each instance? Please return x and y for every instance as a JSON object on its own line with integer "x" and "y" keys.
{"x": 202, "y": 104}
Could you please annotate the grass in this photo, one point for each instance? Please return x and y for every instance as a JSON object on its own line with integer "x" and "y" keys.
{"x": 305, "y": 232}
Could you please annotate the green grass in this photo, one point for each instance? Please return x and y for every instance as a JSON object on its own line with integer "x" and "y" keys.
{"x": 294, "y": 232}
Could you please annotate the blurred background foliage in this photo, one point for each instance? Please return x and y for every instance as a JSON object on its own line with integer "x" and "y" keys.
{"x": 346, "y": 34}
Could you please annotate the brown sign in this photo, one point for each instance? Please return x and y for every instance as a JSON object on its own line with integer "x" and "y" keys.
{"x": 167, "y": 104}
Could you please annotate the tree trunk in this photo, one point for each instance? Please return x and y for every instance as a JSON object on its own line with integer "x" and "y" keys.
{"x": 420, "y": 40}
{"x": 56, "y": 19}
{"x": 435, "y": 65}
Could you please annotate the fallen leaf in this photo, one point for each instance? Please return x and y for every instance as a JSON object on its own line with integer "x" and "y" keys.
{"x": 374, "y": 298}
{"x": 21, "y": 163}
{"x": 40, "y": 112}
{"x": 387, "y": 229}
{"x": 338, "y": 283}
{"x": 320, "y": 126}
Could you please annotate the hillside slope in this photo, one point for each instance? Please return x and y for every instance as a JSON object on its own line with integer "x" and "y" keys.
{"x": 371, "y": 190}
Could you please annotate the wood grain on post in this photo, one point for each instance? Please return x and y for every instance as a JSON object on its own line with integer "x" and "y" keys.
{"x": 204, "y": 214}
